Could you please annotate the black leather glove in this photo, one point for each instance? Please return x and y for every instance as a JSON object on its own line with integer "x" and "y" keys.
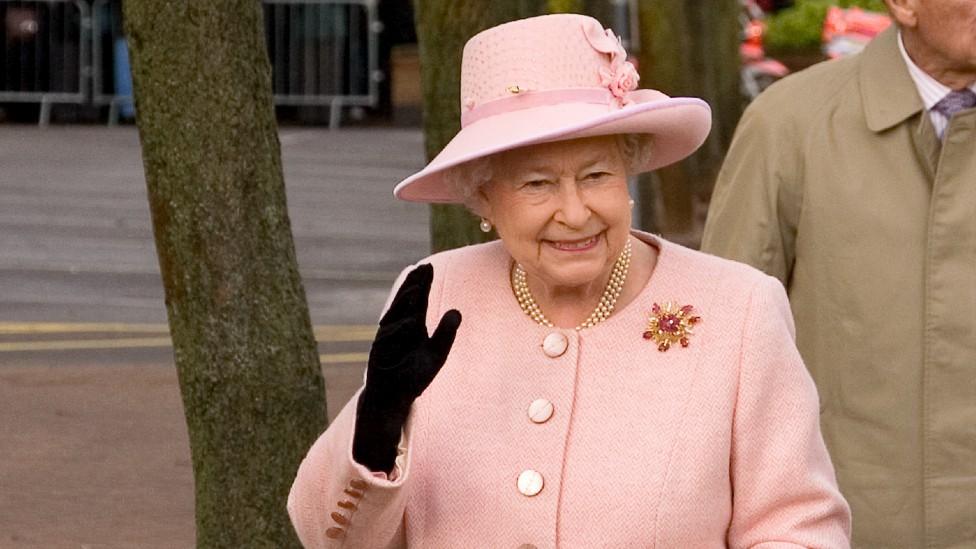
{"x": 402, "y": 363}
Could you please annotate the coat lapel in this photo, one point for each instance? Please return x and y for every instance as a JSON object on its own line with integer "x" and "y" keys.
{"x": 888, "y": 93}
{"x": 927, "y": 145}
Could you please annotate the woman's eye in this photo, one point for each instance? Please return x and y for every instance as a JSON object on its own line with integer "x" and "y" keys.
{"x": 535, "y": 184}
{"x": 596, "y": 175}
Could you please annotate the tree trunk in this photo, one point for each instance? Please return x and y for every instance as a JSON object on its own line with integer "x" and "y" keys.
{"x": 443, "y": 26}
{"x": 691, "y": 48}
{"x": 564, "y": 6}
{"x": 245, "y": 354}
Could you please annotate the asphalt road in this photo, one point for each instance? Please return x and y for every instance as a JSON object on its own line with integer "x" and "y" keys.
{"x": 77, "y": 260}
{"x": 93, "y": 447}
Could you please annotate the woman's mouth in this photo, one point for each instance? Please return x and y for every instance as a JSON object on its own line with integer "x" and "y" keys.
{"x": 581, "y": 245}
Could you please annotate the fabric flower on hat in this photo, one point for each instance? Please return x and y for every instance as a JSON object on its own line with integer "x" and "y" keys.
{"x": 621, "y": 77}
{"x": 620, "y": 80}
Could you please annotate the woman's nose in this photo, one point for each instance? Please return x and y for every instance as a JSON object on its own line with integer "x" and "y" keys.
{"x": 573, "y": 211}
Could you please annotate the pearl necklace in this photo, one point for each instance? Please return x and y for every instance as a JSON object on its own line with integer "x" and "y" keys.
{"x": 618, "y": 276}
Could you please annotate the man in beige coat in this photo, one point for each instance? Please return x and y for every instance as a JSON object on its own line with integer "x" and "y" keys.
{"x": 854, "y": 183}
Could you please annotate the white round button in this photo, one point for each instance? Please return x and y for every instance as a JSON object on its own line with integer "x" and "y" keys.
{"x": 555, "y": 344}
{"x": 530, "y": 482}
{"x": 540, "y": 410}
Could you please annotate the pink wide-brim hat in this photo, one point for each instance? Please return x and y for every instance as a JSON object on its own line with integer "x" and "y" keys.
{"x": 553, "y": 78}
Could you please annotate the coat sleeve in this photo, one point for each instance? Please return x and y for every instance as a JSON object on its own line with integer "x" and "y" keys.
{"x": 758, "y": 195}
{"x": 336, "y": 502}
{"x": 784, "y": 489}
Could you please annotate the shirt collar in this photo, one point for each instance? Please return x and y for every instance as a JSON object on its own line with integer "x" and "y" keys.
{"x": 929, "y": 89}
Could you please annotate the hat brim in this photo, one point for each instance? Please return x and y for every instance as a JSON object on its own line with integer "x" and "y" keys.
{"x": 677, "y": 126}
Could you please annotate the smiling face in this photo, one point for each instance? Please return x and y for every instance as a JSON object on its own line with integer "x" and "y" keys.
{"x": 561, "y": 209}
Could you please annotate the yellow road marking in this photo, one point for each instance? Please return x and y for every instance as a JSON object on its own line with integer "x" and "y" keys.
{"x": 326, "y": 332}
{"x": 344, "y": 358}
{"x": 17, "y": 328}
{"x": 323, "y": 333}
{"x": 79, "y": 344}
{"x": 148, "y": 342}
{"x": 345, "y": 333}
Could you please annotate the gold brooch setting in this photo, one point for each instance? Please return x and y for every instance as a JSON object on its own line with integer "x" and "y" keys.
{"x": 670, "y": 324}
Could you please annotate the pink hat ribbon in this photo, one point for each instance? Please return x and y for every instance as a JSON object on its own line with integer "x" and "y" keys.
{"x": 531, "y": 99}
{"x": 547, "y": 98}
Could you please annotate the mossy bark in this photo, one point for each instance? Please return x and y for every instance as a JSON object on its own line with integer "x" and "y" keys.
{"x": 245, "y": 353}
{"x": 443, "y": 26}
{"x": 691, "y": 48}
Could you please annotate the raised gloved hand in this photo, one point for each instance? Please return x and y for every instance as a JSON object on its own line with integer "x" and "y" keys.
{"x": 402, "y": 363}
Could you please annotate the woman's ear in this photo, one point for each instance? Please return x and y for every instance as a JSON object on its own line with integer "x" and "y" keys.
{"x": 482, "y": 205}
{"x": 904, "y": 12}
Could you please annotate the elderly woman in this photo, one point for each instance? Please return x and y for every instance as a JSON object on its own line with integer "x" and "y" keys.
{"x": 606, "y": 388}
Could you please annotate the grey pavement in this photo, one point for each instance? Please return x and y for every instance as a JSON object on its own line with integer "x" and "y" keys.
{"x": 79, "y": 278}
{"x": 94, "y": 450}
{"x": 76, "y": 237}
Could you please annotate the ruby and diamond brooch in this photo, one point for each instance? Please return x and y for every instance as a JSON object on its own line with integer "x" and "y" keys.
{"x": 670, "y": 324}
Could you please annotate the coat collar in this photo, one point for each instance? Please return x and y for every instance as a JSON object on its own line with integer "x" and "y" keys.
{"x": 888, "y": 93}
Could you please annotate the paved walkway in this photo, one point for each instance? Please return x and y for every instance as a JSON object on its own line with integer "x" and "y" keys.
{"x": 94, "y": 452}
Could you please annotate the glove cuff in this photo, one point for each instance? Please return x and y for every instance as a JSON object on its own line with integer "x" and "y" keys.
{"x": 377, "y": 434}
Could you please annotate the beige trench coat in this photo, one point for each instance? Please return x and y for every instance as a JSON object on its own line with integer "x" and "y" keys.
{"x": 836, "y": 184}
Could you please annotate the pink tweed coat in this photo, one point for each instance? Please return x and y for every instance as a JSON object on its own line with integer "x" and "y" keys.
{"x": 712, "y": 445}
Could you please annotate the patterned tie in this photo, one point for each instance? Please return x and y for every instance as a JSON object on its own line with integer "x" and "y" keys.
{"x": 956, "y": 101}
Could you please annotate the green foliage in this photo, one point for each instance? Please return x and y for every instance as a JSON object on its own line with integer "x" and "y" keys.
{"x": 800, "y": 27}
{"x": 564, "y": 6}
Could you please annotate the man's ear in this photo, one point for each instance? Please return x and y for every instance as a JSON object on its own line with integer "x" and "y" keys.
{"x": 904, "y": 12}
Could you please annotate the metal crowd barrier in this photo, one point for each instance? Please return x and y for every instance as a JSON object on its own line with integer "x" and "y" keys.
{"x": 45, "y": 52}
{"x": 323, "y": 53}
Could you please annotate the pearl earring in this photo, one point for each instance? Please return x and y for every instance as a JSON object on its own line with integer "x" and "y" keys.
{"x": 485, "y": 225}
{"x": 631, "y": 202}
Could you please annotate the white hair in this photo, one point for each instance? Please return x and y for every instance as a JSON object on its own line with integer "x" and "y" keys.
{"x": 468, "y": 178}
